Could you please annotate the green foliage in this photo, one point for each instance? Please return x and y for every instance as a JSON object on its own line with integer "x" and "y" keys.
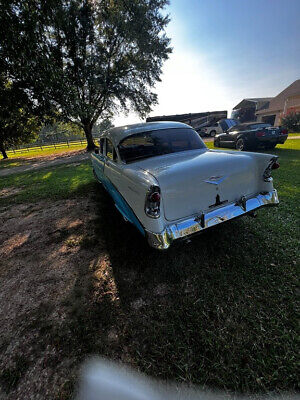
{"x": 59, "y": 131}
{"x": 86, "y": 59}
{"x": 17, "y": 123}
{"x": 292, "y": 122}
{"x": 104, "y": 125}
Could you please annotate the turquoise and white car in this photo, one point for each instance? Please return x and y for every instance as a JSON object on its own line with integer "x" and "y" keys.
{"x": 165, "y": 181}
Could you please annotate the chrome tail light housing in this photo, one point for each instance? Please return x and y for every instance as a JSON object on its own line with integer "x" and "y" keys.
{"x": 152, "y": 202}
{"x": 273, "y": 164}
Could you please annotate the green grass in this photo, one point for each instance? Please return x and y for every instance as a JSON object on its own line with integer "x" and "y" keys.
{"x": 51, "y": 183}
{"x": 10, "y": 163}
{"x": 36, "y": 152}
{"x": 294, "y": 134}
{"x": 220, "y": 311}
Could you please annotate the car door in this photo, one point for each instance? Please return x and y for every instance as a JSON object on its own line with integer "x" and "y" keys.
{"x": 98, "y": 160}
{"x": 112, "y": 170}
{"x": 117, "y": 185}
{"x": 222, "y": 127}
{"x": 231, "y": 135}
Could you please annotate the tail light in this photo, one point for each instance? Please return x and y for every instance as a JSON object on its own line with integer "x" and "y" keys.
{"x": 273, "y": 164}
{"x": 284, "y": 132}
{"x": 260, "y": 134}
{"x": 152, "y": 203}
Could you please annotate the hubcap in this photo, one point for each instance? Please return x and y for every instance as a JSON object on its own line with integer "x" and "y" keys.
{"x": 240, "y": 144}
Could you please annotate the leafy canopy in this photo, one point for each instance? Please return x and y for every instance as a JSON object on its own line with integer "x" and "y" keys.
{"x": 86, "y": 59}
{"x": 17, "y": 123}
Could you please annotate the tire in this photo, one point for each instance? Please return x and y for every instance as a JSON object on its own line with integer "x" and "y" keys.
{"x": 217, "y": 142}
{"x": 212, "y": 133}
{"x": 270, "y": 146}
{"x": 240, "y": 144}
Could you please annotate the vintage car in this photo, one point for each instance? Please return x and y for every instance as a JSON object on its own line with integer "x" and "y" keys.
{"x": 165, "y": 181}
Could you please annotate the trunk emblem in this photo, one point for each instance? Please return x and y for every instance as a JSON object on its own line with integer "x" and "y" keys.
{"x": 215, "y": 180}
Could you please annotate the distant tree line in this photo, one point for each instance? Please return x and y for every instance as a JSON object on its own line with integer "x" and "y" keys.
{"x": 78, "y": 62}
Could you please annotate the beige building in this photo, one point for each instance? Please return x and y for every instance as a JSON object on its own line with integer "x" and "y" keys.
{"x": 285, "y": 102}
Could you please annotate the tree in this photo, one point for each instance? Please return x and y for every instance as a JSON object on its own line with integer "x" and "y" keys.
{"x": 102, "y": 126}
{"x": 17, "y": 123}
{"x": 292, "y": 121}
{"x": 87, "y": 58}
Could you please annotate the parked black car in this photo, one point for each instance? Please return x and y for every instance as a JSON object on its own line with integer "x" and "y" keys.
{"x": 250, "y": 136}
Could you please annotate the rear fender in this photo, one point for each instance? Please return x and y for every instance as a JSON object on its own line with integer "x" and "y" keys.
{"x": 134, "y": 187}
{"x": 262, "y": 161}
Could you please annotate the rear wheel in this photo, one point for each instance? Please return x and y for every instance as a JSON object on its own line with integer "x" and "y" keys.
{"x": 213, "y": 133}
{"x": 270, "y": 146}
{"x": 240, "y": 144}
{"x": 217, "y": 142}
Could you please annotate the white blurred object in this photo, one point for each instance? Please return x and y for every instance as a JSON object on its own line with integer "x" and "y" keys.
{"x": 105, "y": 380}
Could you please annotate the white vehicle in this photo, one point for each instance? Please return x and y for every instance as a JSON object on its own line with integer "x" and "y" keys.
{"x": 212, "y": 130}
{"x": 219, "y": 127}
{"x": 165, "y": 181}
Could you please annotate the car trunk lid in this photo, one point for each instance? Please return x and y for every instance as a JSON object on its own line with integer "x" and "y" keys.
{"x": 194, "y": 182}
{"x": 270, "y": 132}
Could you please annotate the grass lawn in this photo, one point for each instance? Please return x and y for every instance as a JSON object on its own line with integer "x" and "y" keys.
{"x": 50, "y": 183}
{"x": 15, "y": 160}
{"x": 218, "y": 312}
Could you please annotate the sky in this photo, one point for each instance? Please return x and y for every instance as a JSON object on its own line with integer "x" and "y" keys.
{"x": 225, "y": 51}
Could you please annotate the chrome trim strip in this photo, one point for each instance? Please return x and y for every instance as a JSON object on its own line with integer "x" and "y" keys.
{"x": 181, "y": 229}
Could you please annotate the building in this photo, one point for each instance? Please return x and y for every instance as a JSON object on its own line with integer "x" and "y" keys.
{"x": 246, "y": 110}
{"x": 284, "y": 103}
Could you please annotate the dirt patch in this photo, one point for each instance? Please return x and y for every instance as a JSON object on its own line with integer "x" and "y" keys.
{"x": 11, "y": 191}
{"x": 74, "y": 157}
{"x": 51, "y": 269}
{"x": 50, "y": 157}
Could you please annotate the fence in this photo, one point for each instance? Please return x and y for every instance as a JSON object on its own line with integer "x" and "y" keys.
{"x": 47, "y": 146}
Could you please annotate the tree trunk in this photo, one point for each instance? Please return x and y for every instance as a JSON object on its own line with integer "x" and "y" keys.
{"x": 2, "y": 149}
{"x": 89, "y": 137}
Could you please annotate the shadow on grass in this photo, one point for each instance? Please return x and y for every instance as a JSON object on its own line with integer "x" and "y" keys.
{"x": 217, "y": 311}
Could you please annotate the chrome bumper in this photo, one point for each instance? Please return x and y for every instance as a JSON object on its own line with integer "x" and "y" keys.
{"x": 196, "y": 224}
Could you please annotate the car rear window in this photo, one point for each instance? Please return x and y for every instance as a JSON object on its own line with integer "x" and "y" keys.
{"x": 159, "y": 142}
{"x": 238, "y": 128}
{"x": 259, "y": 126}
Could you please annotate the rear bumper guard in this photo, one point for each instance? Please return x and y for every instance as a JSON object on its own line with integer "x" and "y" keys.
{"x": 191, "y": 225}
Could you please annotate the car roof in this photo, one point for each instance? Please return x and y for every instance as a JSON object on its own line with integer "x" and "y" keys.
{"x": 121, "y": 132}
{"x": 253, "y": 122}
{"x": 249, "y": 123}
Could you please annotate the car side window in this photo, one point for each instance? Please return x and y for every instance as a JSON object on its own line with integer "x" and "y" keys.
{"x": 259, "y": 126}
{"x": 101, "y": 143}
{"x": 110, "y": 150}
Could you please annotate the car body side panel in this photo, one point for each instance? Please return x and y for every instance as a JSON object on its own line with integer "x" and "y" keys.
{"x": 118, "y": 199}
{"x": 98, "y": 161}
